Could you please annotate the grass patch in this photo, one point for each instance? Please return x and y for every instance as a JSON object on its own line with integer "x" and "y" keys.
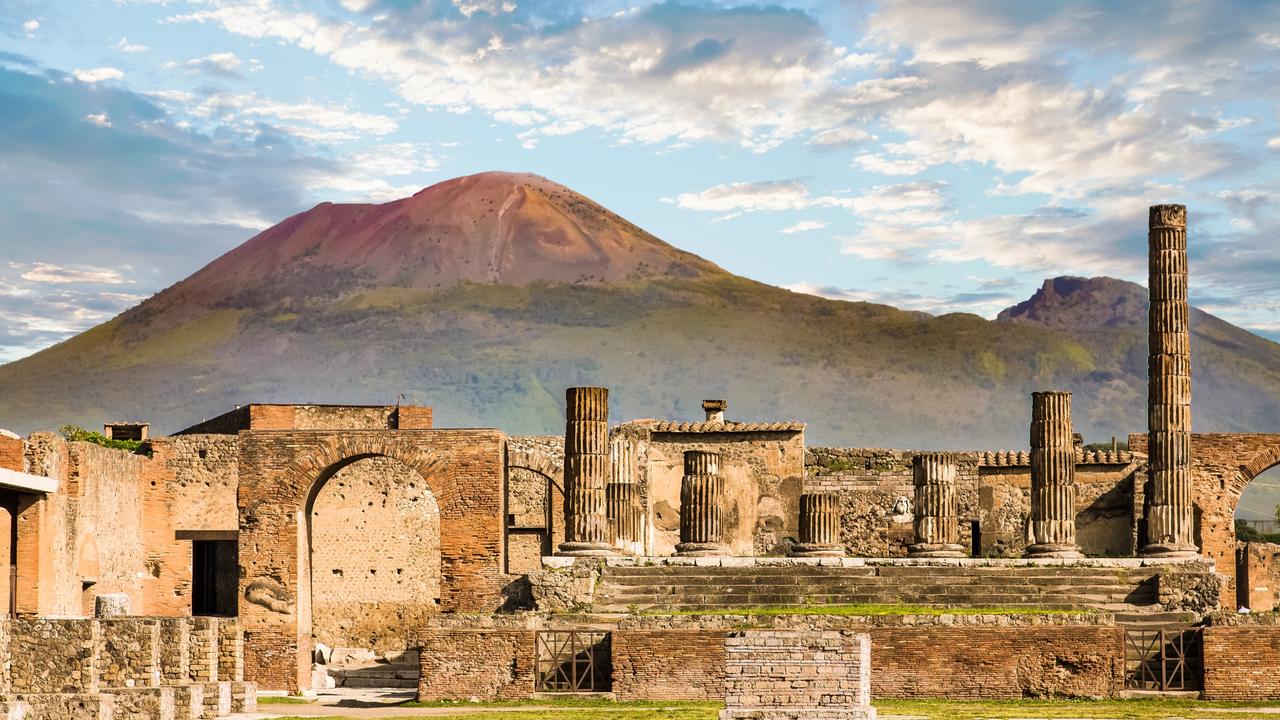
{"x": 868, "y": 610}
{"x": 283, "y": 700}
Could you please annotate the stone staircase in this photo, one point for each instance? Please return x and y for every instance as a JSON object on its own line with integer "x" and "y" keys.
{"x": 374, "y": 675}
{"x": 693, "y": 587}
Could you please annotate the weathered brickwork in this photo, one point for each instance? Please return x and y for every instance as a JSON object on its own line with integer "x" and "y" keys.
{"x": 175, "y": 650}
{"x": 1242, "y": 663}
{"x": 203, "y": 649}
{"x": 481, "y": 664}
{"x": 230, "y": 650}
{"x": 279, "y": 472}
{"x": 375, "y": 539}
{"x": 797, "y": 675}
{"x": 535, "y": 499}
{"x": 205, "y": 476}
{"x": 1258, "y": 574}
{"x": 53, "y": 656}
{"x": 128, "y": 653}
{"x": 668, "y": 665}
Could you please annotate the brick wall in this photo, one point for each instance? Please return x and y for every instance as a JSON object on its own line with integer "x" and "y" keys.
{"x": 204, "y": 477}
{"x": 414, "y": 417}
{"x": 484, "y": 664}
{"x": 1242, "y": 663}
{"x": 108, "y": 524}
{"x": 464, "y": 471}
{"x": 1262, "y": 569}
{"x": 375, "y": 539}
{"x": 792, "y": 673}
{"x": 12, "y": 452}
{"x": 668, "y": 664}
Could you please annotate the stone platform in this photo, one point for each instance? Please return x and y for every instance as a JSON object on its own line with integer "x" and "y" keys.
{"x": 1125, "y": 585}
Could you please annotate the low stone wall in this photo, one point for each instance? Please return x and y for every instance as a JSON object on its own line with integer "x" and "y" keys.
{"x": 797, "y": 675}
{"x": 682, "y": 657}
{"x": 1242, "y": 657}
{"x": 125, "y": 668}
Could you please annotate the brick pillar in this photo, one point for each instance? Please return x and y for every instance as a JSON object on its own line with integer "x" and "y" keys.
{"x": 937, "y": 521}
{"x": 623, "y": 498}
{"x": 819, "y": 526}
{"x": 1170, "y": 519}
{"x": 701, "y": 496}
{"x": 1053, "y": 478}
{"x": 586, "y": 472}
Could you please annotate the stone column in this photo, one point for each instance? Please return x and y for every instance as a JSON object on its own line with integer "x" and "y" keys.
{"x": 1053, "y": 478}
{"x": 701, "y": 495}
{"x": 624, "y": 511}
{"x": 819, "y": 526}
{"x": 937, "y": 521}
{"x": 586, "y": 472}
{"x": 1170, "y": 519}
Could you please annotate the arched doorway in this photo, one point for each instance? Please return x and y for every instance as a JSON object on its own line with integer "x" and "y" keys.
{"x": 535, "y": 507}
{"x": 1257, "y": 525}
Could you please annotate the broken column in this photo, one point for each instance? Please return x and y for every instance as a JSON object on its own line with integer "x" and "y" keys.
{"x": 1052, "y": 533}
{"x": 937, "y": 518}
{"x": 623, "y": 498}
{"x": 586, "y": 472}
{"x": 1170, "y": 519}
{"x": 819, "y": 526}
{"x": 701, "y": 495}
{"x": 715, "y": 409}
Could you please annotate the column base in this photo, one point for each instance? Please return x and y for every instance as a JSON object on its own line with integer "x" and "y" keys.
{"x": 936, "y": 550}
{"x": 813, "y": 550}
{"x": 701, "y": 549}
{"x": 1170, "y": 550}
{"x": 587, "y": 549}
{"x": 1053, "y": 550}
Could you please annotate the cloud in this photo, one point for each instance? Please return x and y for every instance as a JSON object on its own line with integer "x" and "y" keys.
{"x": 49, "y": 273}
{"x": 99, "y": 119}
{"x": 1273, "y": 143}
{"x": 748, "y": 197}
{"x": 987, "y": 304}
{"x": 308, "y": 120}
{"x": 878, "y": 163}
{"x": 840, "y": 137}
{"x": 125, "y": 46}
{"x": 97, "y": 75}
{"x": 31, "y": 25}
{"x": 804, "y": 226}
{"x": 223, "y": 64}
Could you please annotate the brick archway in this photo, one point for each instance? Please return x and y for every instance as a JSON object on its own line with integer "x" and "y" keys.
{"x": 543, "y": 464}
{"x": 280, "y": 473}
{"x": 1262, "y": 461}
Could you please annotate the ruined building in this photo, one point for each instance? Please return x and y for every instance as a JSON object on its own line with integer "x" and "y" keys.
{"x": 605, "y": 559}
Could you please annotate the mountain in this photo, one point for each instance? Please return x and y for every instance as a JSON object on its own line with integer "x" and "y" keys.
{"x": 486, "y": 296}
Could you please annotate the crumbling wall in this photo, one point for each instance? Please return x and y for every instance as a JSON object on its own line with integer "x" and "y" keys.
{"x": 535, "y": 500}
{"x": 1262, "y": 567}
{"x": 375, "y": 554}
{"x": 763, "y": 478}
{"x": 205, "y": 475}
{"x": 109, "y": 523}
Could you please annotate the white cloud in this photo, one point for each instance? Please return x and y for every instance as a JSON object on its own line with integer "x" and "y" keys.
{"x": 58, "y": 275}
{"x": 841, "y": 137}
{"x": 748, "y": 197}
{"x": 99, "y": 119}
{"x": 97, "y": 74}
{"x": 1273, "y": 143}
{"x": 127, "y": 47}
{"x": 224, "y": 63}
{"x": 804, "y": 226}
{"x": 31, "y": 25}
{"x": 308, "y": 120}
{"x": 878, "y": 163}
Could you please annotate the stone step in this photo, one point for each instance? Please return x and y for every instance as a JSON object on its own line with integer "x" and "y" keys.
{"x": 1053, "y": 586}
{"x": 378, "y": 675}
{"x": 781, "y": 600}
{"x": 882, "y": 571}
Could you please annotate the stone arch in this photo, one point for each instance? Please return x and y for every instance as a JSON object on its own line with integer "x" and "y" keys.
{"x": 551, "y": 471}
{"x": 335, "y": 452}
{"x": 540, "y": 463}
{"x": 1261, "y": 461}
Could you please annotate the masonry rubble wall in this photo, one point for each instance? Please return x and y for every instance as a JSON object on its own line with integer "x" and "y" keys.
{"x": 676, "y": 657}
{"x": 994, "y": 490}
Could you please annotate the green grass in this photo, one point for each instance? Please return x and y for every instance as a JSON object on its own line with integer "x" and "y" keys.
{"x": 283, "y": 700}
{"x": 1146, "y": 709}
{"x": 868, "y": 610}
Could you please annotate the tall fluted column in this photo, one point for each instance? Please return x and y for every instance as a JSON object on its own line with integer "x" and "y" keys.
{"x": 937, "y": 521}
{"x": 625, "y": 513}
{"x": 586, "y": 471}
{"x": 1053, "y": 478}
{"x": 819, "y": 526}
{"x": 701, "y": 495}
{"x": 1170, "y": 519}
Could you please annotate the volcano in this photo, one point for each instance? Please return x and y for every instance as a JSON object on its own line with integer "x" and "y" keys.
{"x": 485, "y": 296}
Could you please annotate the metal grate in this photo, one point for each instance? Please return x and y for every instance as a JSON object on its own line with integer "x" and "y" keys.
{"x": 574, "y": 661}
{"x": 1164, "y": 660}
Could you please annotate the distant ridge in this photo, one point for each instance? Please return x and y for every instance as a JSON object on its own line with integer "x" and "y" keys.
{"x": 485, "y": 296}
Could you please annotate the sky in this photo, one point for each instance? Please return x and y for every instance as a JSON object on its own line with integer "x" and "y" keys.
{"x": 936, "y": 156}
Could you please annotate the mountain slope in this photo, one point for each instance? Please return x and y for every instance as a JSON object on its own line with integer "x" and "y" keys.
{"x": 486, "y": 296}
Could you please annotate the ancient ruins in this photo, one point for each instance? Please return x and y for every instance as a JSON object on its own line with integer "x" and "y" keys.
{"x": 290, "y": 547}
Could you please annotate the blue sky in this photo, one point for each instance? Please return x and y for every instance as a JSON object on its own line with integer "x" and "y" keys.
{"x": 937, "y": 156}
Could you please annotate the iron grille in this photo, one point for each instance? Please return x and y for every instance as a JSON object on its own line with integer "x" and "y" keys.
{"x": 574, "y": 661}
{"x": 1164, "y": 660}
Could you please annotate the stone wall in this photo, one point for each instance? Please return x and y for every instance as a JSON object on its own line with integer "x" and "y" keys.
{"x": 1259, "y": 563}
{"x": 463, "y": 469}
{"x": 535, "y": 500}
{"x": 787, "y": 675}
{"x": 875, "y": 486}
{"x": 375, "y": 555}
{"x": 682, "y": 657}
{"x": 763, "y": 478}
{"x": 1242, "y": 662}
{"x": 204, "y": 480}
{"x": 109, "y": 523}
{"x": 668, "y": 665}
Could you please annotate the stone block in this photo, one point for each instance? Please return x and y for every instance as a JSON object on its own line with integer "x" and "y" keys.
{"x": 65, "y": 706}
{"x": 217, "y": 699}
{"x": 109, "y": 605}
{"x": 14, "y": 710}
{"x": 244, "y": 697}
{"x": 151, "y": 703}
{"x": 188, "y": 701}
